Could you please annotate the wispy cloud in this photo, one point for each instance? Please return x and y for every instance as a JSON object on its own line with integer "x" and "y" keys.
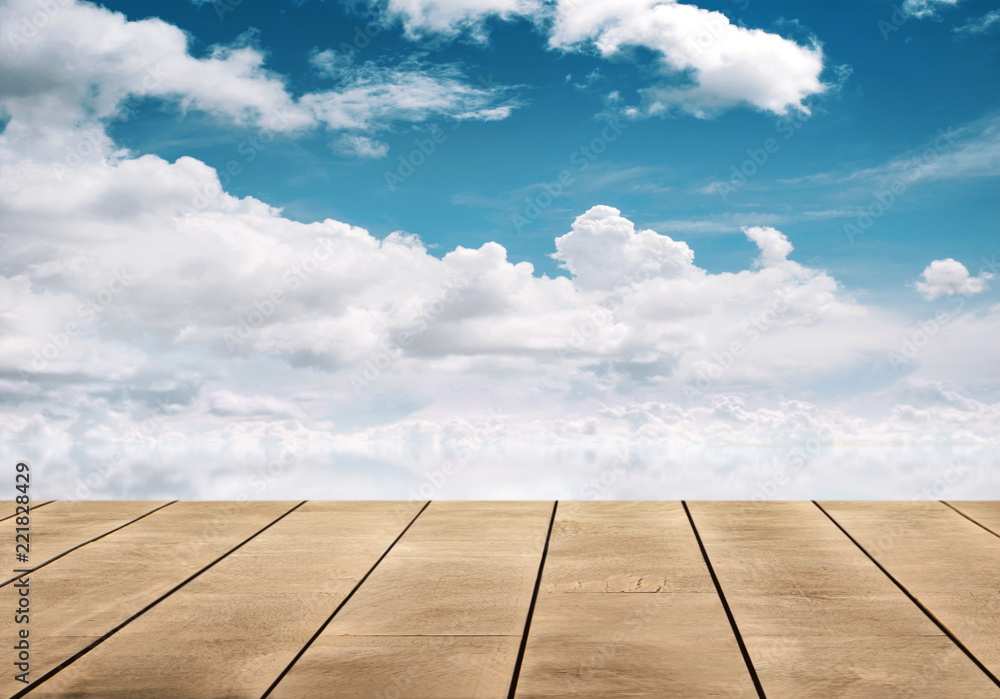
{"x": 968, "y": 152}
{"x": 926, "y": 8}
{"x": 989, "y": 22}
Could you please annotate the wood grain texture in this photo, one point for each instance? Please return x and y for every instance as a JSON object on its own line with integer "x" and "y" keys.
{"x": 441, "y": 616}
{"x": 231, "y": 631}
{"x": 947, "y": 562}
{"x": 985, "y": 512}
{"x": 624, "y": 547}
{"x": 80, "y": 597}
{"x": 626, "y": 605}
{"x": 57, "y": 528}
{"x": 628, "y": 609}
{"x": 819, "y": 619}
{"x": 8, "y": 508}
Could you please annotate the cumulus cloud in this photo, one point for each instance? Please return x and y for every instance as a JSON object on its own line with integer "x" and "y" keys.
{"x": 603, "y": 251}
{"x": 949, "y": 277}
{"x": 83, "y": 62}
{"x": 138, "y": 293}
{"x": 139, "y": 297}
{"x": 727, "y": 64}
{"x": 773, "y": 244}
{"x": 454, "y": 16}
{"x": 708, "y": 63}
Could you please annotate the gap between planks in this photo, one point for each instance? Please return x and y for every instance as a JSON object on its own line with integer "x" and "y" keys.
{"x": 29, "y": 571}
{"x": 340, "y": 606}
{"x": 920, "y": 605}
{"x": 79, "y": 654}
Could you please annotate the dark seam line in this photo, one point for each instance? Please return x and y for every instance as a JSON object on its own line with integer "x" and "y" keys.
{"x": 920, "y": 605}
{"x": 340, "y": 606}
{"x": 89, "y": 541}
{"x": 79, "y": 654}
{"x": 531, "y": 607}
{"x": 725, "y": 606}
{"x": 978, "y": 524}
{"x": 30, "y": 508}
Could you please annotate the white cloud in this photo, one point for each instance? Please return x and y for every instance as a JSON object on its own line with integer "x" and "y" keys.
{"x": 136, "y": 292}
{"x": 360, "y": 146}
{"x": 603, "y": 251}
{"x": 371, "y": 97}
{"x": 454, "y": 16}
{"x": 708, "y": 63}
{"x": 727, "y": 64}
{"x": 980, "y": 25}
{"x": 612, "y": 353}
{"x": 969, "y": 151}
{"x": 84, "y": 61}
{"x": 773, "y": 244}
{"x": 926, "y": 8}
{"x": 949, "y": 277}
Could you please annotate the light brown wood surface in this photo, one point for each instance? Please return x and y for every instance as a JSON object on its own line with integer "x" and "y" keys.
{"x": 628, "y": 609}
{"x": 949, "y": 564}
{"x": 8, "y": 508}
{"x": 231, "y": 631}
{"x": 86, "y": 594}
{"x": 819, "y": 619}
{"x": 985, "y": 512}
{"x": 626, "y": 605}
{"x": 59, "y": 527}
{"x": 441, "y": 616}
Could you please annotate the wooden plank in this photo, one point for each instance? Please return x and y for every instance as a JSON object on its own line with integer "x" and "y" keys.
{"x": 985, "y": 512}
{"x": 79, "y": 598}
{"x": 440, "y": 617}
{"x": 8, "y": 508}
{"x": 951, "y": 565}
{"x": 231, "y": 631}
{"x": 64, "y": 524}
{"x": 819, "y": 619}
{"x": 628, "y": 608}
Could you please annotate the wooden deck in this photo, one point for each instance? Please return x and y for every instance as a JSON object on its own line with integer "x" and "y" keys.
{"x": 494, "y": 600}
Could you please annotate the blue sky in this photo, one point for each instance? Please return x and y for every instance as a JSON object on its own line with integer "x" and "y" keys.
{"x": 892, "y": 96}
{"x": 607, "y": 222}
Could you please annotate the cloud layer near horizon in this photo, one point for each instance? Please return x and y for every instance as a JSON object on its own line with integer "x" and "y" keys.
{"x": 139, "y": 297}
